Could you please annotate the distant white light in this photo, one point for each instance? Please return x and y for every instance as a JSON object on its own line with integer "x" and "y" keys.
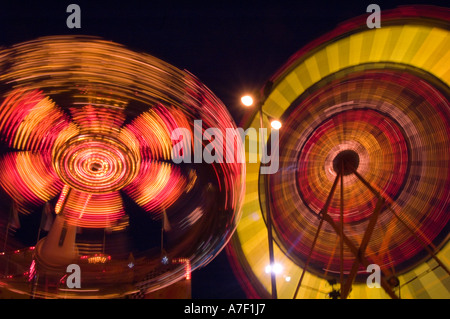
{"x": 276, "y": 125}
{"x": 287, "y": 278}
{"x": 255, "y": 216}
{"x": 275, "y": 268}
{"x": 268, "y": 268}
{"x": 247, "y": 100}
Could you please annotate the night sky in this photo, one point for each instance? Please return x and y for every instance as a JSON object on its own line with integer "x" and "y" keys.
{"x": 231, "y": 46}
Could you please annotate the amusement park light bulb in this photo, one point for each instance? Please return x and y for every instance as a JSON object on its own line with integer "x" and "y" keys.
{"x": 247, "y": 100}
{"x": 275, "y": 268}
{"x": 276, "y": 125}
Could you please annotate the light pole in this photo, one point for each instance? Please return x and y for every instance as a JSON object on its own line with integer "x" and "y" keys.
{"x": 248, "y": 101}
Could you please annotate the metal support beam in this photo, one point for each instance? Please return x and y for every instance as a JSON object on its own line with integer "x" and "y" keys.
{"x": 324, "y": 213}
{"x": 359, "y": 253}
{"x": 362, "y": 248}
{"x": 269, "y": 217}
{"x": 342, "y": 227}
{"x": 420, "y": 240}
{"x": 362, "y": 259}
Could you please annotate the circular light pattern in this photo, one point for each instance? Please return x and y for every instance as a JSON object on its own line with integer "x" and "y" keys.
{"x": 372, "y": 104}
{"x": 96, "y": 164}
{"x": 366, "y": 135}
{"x": 86, "y": 132}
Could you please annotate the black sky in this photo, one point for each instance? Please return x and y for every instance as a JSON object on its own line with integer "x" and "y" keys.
{"x": 231, "y": 46}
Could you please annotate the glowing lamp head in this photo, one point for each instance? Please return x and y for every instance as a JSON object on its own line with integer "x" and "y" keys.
{"x": 276, "y": 268}
{"x": 275, "y": 124}
{"x": 247, "y": 100}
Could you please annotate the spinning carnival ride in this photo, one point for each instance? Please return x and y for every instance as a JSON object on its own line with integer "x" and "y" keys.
{"x": 87, "y": 175}
{"x": 364, "y": 175}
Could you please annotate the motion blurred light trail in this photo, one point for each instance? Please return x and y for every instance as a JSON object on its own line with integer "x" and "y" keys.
{"x": 86, "y": 125}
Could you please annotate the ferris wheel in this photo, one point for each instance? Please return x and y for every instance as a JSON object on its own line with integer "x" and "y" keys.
{"x": 364, "y": 167}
